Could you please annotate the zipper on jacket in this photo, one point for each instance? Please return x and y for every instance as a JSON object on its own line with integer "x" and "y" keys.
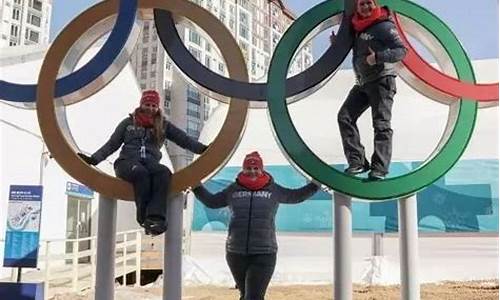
{"x": 249, "y": 219}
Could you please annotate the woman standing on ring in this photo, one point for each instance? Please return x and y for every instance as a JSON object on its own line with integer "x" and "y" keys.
{"x": 377, "y": 47}
{"x": 142, "y": 134}
{"x": 253, "y": 201}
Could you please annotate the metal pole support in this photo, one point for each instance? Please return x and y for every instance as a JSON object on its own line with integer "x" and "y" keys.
{"x": 172, "y": 259}
{"x": 342, "y": 247}
{"x": 408, "y": 248}
{"x": 106, "y": 243}
{"x": 377, "y": 244}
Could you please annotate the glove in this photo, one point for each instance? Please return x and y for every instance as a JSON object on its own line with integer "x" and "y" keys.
{"x": 88, "y": 159}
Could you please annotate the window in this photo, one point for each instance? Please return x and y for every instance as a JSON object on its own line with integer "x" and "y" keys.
{"x": 193, "y": 110}
{"x": 232, "y": 24}
{"x": 196, "y": 53}
{"x": 244, "y": 32}
{"x": 36, "y": 4}
{"x": 207, "y": 61}
{"x": 193, "y": 96}
{"x": 267, "y": 47}
{"x": 193, "y": 128}
{"x": 168, "y": 96}
{"x": 34, "y": 20}
{"x": 15, "y": 14}
{"x": 193, "y": 125}
{"x": 14, "y": 30}
{"x": 222, "y": 16}
{"x": 145, "y": 32}
{"x": 276, "y": 39}
{"x": 206, "y": 113}
{"x": 167, "y": 102}
{"x": 194, "y": 37}
{"x": 244, "y": 18}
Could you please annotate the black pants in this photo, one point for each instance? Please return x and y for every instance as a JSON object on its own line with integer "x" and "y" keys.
{"x": 379, "y": 96}
{"x": 252, "y": 273}
{"x": 151, "y": 181}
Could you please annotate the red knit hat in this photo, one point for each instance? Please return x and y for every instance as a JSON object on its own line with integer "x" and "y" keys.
{"x": 357, "y": 2}
{"x": 253, "y": 160}
{"x": 150, "y": 96}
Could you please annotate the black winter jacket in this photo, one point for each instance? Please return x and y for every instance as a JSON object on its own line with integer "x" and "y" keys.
{"x": 383, "y": 38}
{"x": 251, "y": 227}
{"x": 133, "y": 137}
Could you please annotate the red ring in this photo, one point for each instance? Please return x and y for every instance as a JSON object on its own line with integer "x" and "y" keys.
{"x": 441, "y": 81}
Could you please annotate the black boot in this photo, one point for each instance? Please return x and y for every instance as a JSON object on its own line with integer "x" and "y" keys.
{"x": 154, "y": 226}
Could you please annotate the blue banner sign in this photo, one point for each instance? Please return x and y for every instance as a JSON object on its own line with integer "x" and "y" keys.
{"x": 21, "y": 291}
{"x": 78, "y": 190}
{"x": 23, "y": 226}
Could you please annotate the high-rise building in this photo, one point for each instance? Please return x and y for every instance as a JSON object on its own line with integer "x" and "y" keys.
{"x": 257, "y": 26}
{"x": 24, "y": 22}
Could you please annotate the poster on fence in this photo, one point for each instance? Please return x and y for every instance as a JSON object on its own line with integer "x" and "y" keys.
{"x": 23, "y": 226}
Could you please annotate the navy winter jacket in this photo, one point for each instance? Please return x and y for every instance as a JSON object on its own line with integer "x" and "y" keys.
{"x": 133, "y": 137}
{"x": 383, "y": 38}
{"x": 252, "y": 228}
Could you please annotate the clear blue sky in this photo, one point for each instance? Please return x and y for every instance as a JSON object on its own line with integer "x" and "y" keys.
{"x": 475, "y": 25}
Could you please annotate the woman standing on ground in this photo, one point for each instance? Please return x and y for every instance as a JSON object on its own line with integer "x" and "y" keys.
{"x": 253, "y": 201}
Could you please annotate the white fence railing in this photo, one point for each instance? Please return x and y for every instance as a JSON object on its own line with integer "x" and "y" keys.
{"x": 76, "y": 269}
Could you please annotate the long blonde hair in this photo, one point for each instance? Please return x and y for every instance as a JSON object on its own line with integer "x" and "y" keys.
{"x": 159, "y": 127}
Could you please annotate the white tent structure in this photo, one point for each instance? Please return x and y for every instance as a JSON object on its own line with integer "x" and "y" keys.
{"x": 306, "y": 257}
{"x": 24, "y": 158}
{"x": 418, "y": 124}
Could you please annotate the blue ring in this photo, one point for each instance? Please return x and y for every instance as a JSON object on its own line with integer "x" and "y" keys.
{"x": 91, "y": 70}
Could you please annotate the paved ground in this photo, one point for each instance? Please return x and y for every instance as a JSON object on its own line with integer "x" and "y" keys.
{"x": 479, "y": 290}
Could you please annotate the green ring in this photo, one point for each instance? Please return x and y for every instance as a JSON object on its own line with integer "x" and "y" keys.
{"x": 308, "y": 162}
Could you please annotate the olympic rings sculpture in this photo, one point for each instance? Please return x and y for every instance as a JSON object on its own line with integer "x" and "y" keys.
{"x": 462, "y": 94}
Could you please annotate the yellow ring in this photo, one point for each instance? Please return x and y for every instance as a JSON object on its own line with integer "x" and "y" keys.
{"x": 221, "y": 148}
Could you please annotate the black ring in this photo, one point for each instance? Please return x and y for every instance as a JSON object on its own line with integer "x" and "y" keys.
{"x": 328, "y": 63}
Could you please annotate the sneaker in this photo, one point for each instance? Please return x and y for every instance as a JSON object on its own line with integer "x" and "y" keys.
{"x": 376, "y": 175}
{"x": 354, "y": 170}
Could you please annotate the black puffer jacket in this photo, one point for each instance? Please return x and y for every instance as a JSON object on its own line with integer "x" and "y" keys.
{"x": 383, "y": 38}
{"x": 133, "y": 137}
{"x": 251, "y": 227}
